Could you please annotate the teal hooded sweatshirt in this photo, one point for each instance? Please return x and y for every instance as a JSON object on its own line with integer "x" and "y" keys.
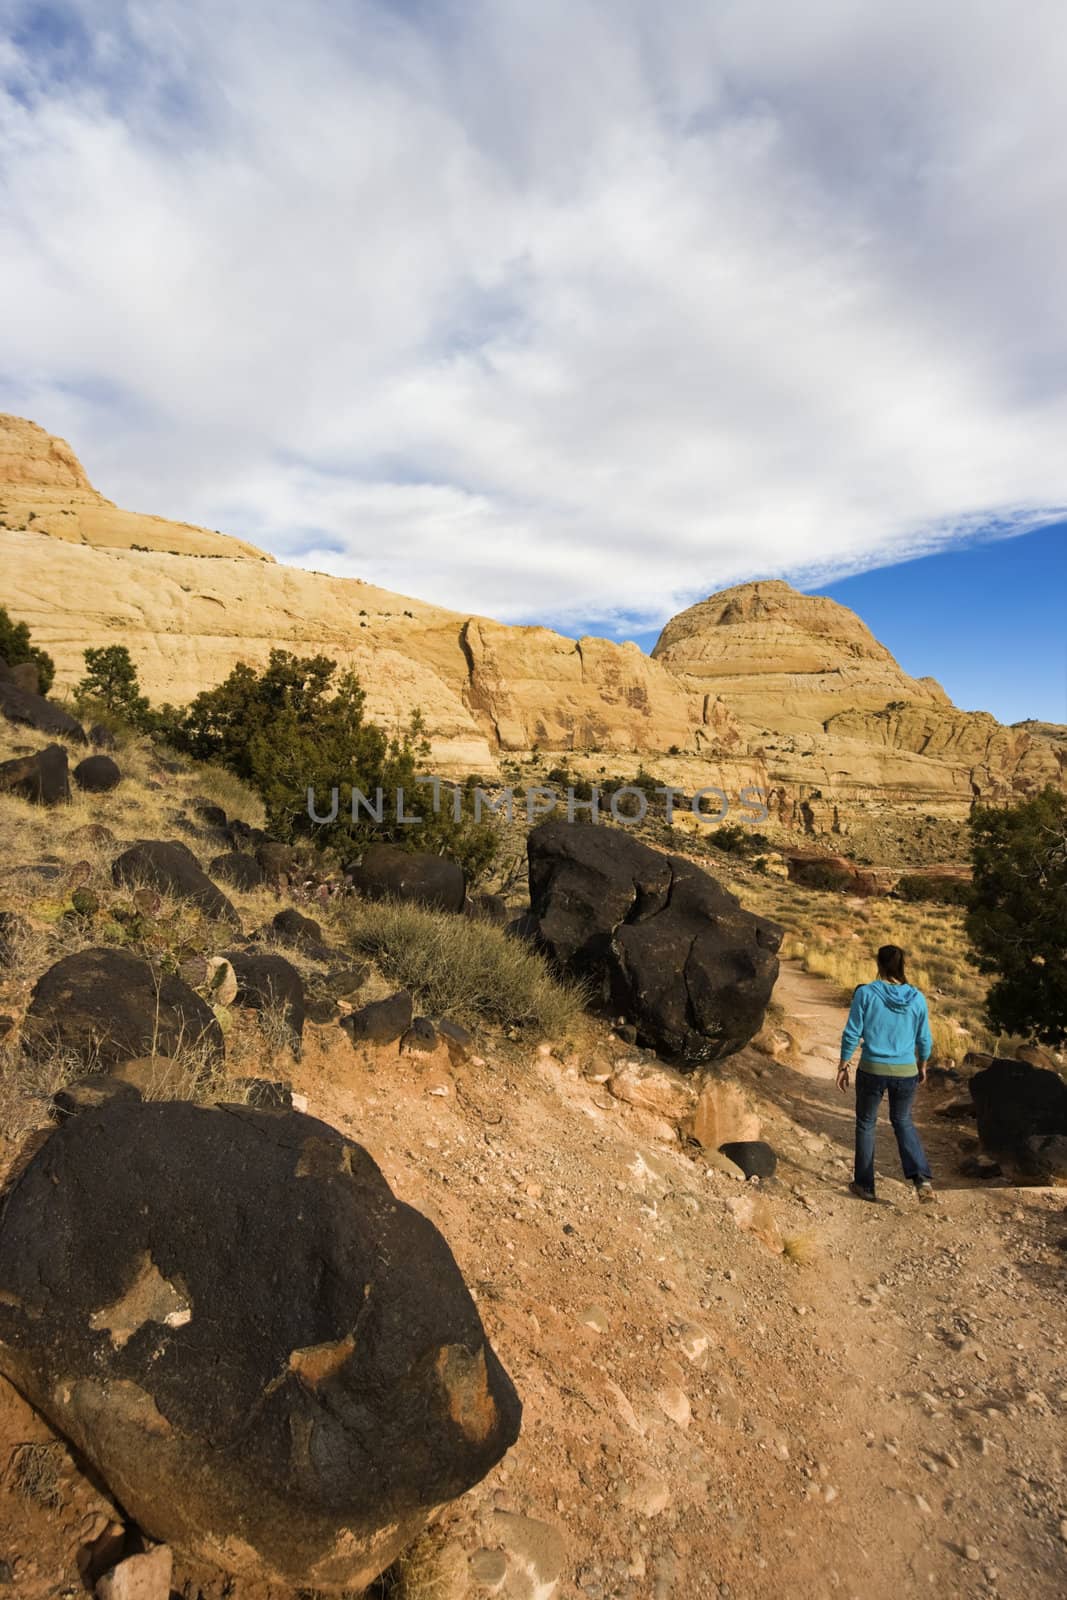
{"x": 892, "y": 1021}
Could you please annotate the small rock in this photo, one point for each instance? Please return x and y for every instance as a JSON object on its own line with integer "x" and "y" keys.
{"x": 139, "y": 1577}
{"x": 971, "y": 1552}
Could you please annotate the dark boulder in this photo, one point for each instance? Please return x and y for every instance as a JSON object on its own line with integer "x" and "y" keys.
{"x": 656, "y": 939}
{"x": 388, "y": 873}
{"x": 107, "y": 1006}
{"x": 457, "y": 1039}
{"x": 346, "y": 981}
{"x": 26, "y": 677}
{"x": 755, "y": 1158}
{"x": 171, "y": 868}
{"x": 97, "y": 774}
{"x": 86, "y": 1094}
{"x": 279, "y": 861}
{"x": 41, "y": 778}
{"x": 321, "y": 1009}
{"x": 102, "y": 738}
{"x": 269, "y": 982}
{"x": 292, "y": 928}
{"x": 420, "y": 1039}
{"x": 1014, "y": 1104}
{"x": 239, "y": 870}
{"x": 272, "y": 1363}
{"x": 208, "y": 812}
{"x": 382, "y": 1021}
{"x": 34, "y": 711}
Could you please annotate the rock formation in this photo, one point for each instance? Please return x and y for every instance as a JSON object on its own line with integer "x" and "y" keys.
{"x": 654, "y": 938}
{"x": 272, "y": 1362}
{"x": 758, "y": 685}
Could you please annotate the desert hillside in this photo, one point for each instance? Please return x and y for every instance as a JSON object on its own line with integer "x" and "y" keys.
{"x": 731, "y": 1389}
{"x": 756, "y": 685}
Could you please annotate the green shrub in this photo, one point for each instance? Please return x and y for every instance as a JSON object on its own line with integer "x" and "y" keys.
{"x": 297, "y": 725}
{"x": 1017, "y": 921}
{"x": 15, "y": 649}
{"x": 930, "y": 887}
{"x": 111, "y": 685}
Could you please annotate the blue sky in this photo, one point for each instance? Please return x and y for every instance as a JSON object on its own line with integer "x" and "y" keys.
{"x": 571, "y": 312}
{"x": 987, "y": 620}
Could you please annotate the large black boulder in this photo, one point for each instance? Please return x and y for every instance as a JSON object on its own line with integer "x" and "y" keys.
{"x": 239, "y": 870}
{"x": 1014, "y": 1103}
{"x": 655, "y": 938}
{"x": 292, "y": 927}
{"x": 97, "y": 774}
{"x": 272, "y": 1362}
{"x": 388, "y": 873}
{"x": 382, "y": 1021}
{"x": 107, "y": 1006}
{"x": 266, "y": 981}
{"x": 34, "y": 711}
{"x": 41, "y": 778}
{"x": 170, "y": 866}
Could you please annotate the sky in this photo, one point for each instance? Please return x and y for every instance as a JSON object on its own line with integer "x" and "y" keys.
{"x": 570, "y": 312}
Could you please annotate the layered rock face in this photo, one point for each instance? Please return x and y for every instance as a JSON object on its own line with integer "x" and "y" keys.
{"x": 44, "y": 486}
{"x": 758, "y": 685}
{"x": 785, "y": 661}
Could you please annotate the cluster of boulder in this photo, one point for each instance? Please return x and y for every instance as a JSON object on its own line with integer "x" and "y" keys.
{"x": 44, "y": 776}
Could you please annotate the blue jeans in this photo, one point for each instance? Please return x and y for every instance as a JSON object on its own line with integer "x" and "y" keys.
{"x": 870, "y": 1086}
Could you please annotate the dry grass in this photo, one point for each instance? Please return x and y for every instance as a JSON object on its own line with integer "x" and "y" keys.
{"x": 35, "y": 1472}
{"x": 836, "y": 937}
{"x": 469, "y": 971}
{"x": 802, "y": 1249}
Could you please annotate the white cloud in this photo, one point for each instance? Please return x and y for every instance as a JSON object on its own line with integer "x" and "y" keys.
{"x": 577, "y": 309}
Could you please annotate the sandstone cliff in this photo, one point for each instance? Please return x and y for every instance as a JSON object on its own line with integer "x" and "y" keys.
{"x": 758, "y": 685}
{"x": 43, "y": 487}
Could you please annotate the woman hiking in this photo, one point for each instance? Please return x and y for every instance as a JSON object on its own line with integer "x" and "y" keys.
{"x": 890, "y": 1016}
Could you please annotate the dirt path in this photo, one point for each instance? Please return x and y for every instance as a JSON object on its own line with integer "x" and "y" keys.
{"x": 943, "y": 1336}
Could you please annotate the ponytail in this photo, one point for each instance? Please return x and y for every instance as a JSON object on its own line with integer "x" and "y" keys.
{"x": 891, "y": 963}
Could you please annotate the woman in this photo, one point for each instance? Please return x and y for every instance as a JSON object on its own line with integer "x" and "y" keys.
{"x": 890, "y": 1017}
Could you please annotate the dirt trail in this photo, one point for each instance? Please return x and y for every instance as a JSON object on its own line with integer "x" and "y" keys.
{"x": 943, "y": 1337}
{"x": 705, "y": 1419}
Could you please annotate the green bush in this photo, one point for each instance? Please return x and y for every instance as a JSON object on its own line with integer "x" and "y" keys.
{"x": 929, "y": 887}
{"x": 299, "y": 725}
{"x": 110, "y": 684}
{"x": 15, "y": 649}
{"x": 1017, "y": 921}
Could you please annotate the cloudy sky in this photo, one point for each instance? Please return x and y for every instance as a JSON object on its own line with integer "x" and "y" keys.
{"x": 565, "y": 310}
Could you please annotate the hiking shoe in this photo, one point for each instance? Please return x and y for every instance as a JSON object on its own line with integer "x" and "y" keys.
{"x": 925, "y": 1191}
{"x": 861, "y": 1193}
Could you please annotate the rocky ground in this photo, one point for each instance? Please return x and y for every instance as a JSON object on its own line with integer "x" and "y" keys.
{"x": 874, "y": 1410}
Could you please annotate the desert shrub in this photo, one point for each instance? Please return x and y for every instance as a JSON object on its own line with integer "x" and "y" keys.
{"x": 823, "y": 875}
{"x": 15, "y": 649}
{"x": 1017, "y": 922}
{"x": 297, "y": 726}
{"x": 929, "y": 887}
{"x": 111, "y": 686}
{"x": 736, "y": 839}
{"x": 469, "y": 971}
